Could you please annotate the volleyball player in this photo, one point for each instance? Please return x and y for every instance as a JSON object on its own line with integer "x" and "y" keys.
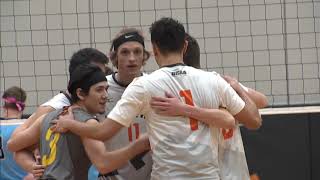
{"x": 128, "y": 55}
{"x": 84, "y": 56}
{"x": 232, "y": 159}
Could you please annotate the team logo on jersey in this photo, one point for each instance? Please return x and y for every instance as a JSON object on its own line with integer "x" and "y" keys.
{"x": 141, "y": 116}
{"x": 177, "y": 73}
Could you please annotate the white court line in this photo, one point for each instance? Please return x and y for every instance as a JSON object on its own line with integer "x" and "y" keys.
{"x": 290, "y": 110}
{"x": 12, "y": 122}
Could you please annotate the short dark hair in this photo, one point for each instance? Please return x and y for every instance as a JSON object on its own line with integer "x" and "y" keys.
{"x": 86, "y": 56}
{"x": 192, "y": 55}
{"x": 168, "y": 34}
{"x": 84, "y": 76}
{"x": 18, "y": 94}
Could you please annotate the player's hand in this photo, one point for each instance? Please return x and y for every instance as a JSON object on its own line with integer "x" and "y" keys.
{"x": 29, "y": 177}
{"x": 64, "y": 121}
{"x": 143, "y": 142}
{"x": 168, "y": 106}
{"x": 230, "y": 80}
{"x": 233, "y": 82}
{"x": 57, "y": 126}
{"x": 37, "y": 170}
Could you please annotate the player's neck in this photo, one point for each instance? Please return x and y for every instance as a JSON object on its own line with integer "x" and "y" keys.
{"x": 125, "y": 78}
{"x": 80, "y": 105}
{"x": 169, "y": 59}
{"x": 13, "y": 114}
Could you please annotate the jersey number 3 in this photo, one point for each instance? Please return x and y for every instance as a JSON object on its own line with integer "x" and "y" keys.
{"x": 47, "y": 160}
{"x": 227, "y": 133}
{"x": 188, "y": 98}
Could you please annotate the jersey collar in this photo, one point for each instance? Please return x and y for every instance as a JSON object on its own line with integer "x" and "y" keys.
{"x": 173, "y": 65}
{"x": 118, "y": 82}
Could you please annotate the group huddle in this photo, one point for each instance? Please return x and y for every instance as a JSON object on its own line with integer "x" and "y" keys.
{"x": 178, "y": 122}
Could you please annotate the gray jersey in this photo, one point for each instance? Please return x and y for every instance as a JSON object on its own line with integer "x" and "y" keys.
{"x": 63, "y": 154}
{"x": 140, "y": 167}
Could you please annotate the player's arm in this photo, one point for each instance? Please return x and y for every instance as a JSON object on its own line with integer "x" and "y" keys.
{"x": 258, "y": 98}
{"x": 41, "y": 110}
{"x": 26, "y": 138}
{"x": 249, "y": 115}
{"x": 29, "y": 162}
{"x": 57, "y": 102}
{"x": 101, "y": 131}
{"x": 24, "y": 159}
{"x": 105, "y": 161}
{"x": 172, "y": 106}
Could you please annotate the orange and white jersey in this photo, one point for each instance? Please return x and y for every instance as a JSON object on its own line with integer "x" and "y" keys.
{"x": 182, "y": 147}
{"x": 137, "y": 127}
{"x": 125, "y": 136}
{"x": 232, "y": 158}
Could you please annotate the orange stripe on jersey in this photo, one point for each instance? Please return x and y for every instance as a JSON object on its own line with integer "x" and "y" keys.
{"x": 188, "y": 98}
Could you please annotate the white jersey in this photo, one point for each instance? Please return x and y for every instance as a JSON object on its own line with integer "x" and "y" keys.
{"x": 232, "y": 158}
{"x": 140, "y": 169}
{"x": 182, "y": 148}
{"x": 57, "y": 102}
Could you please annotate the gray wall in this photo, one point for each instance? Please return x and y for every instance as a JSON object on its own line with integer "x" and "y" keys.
{"x": 269, "y": 45}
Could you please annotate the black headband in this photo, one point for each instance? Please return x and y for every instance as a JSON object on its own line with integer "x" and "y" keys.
{"x": 131, "y": 36}
{"x": 89, "y": 80}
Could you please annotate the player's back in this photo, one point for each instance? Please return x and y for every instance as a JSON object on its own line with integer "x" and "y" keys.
{"x": 182, "y": 147}
{"x": 232, "y": 158}
{"x": 63, "y": 154}
{"x": 8, "y": 167}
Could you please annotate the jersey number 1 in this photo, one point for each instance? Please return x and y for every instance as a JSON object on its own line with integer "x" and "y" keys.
{"x": 188, "y": 98}
{"x": 136, "y": 128}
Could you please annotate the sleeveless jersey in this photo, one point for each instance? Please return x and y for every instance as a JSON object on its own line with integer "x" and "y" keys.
{"x": 58, "y": 102}
{"x": 9, "y": 169}
{"x": 138, "y": 168}
{"x": 63, "y": 154}
{"x": 183, "y": 148}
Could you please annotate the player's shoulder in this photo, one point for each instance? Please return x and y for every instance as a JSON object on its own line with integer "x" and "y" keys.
{"x": 82, "y": 115}
{"x": 47, "y": 118}
{"x": 204, "y": 73}
{"x": 111, "y": 81}
{"x": 58, "y": 101}
{"x": 52, "y": 114}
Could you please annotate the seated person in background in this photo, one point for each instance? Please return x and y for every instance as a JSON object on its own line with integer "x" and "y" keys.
{"x": 14, "y": 102}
